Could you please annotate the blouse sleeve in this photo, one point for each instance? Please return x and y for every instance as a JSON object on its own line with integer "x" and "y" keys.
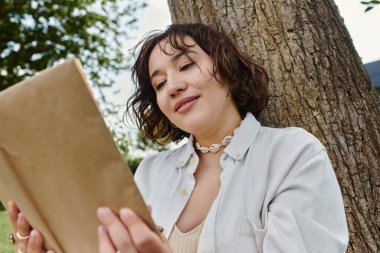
{"x": 307, "y": 212}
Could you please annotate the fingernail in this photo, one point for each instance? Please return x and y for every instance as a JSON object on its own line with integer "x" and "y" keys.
{"x": 101, "y": 230}
{"x": 33, "y": 236}
{"x": 102, "y": 212}
{"x": 125, "y": 213}
{"x": 20, "y": 217}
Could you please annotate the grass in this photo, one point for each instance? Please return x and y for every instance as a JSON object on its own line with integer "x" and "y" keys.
{"x": 5, "y": 229}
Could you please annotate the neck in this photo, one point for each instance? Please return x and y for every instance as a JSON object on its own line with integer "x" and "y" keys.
{"x": 216, "y": 133}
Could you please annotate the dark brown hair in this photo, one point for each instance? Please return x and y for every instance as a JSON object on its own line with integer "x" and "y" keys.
{"x": 246, "y": 79}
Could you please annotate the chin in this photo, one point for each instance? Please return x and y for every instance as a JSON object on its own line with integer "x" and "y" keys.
{"x": 193, "y": 125}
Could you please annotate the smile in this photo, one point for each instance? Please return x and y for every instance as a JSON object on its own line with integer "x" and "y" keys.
{"x": 185, "y": 104}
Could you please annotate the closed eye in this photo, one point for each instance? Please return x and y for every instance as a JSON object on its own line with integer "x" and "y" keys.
{"x": 160, "y": 84}
{"x": 186, "y": 66}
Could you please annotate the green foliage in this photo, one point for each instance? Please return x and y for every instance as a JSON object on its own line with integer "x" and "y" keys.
{"x": 146, "y": 145}
{"x": 370, "y": 4}
{"x": 123, "y": 141}
{"x": 2, "y": 208}
{"x": 143, "y": 145}
{"x": 134, "y": 162}
{"x": 36, "y": 34}
{"x": 5, "y": 229}
{"x": 137, "y": 145}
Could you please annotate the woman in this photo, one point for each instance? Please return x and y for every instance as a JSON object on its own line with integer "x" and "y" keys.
{"x": 235, "y": 186}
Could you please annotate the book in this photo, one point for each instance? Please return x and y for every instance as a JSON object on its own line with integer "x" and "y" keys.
{"x": 58, "y": 160}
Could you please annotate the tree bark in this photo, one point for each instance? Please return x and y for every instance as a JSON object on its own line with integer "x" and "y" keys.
{"x": 318, "y": 82}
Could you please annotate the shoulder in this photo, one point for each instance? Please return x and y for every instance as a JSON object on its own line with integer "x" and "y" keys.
{"x": 155, "y": 166}
{"x": 289, "y": 140}
{"x": 169, "y": 156}
{"x": 288, "y": 157}
{"x": 283, "y": 151}
{"x": 290, "y": 133}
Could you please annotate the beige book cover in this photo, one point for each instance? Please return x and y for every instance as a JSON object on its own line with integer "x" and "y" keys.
{"x": 58, "y": 160}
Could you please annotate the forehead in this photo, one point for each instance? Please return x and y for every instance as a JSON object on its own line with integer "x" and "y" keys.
{"x": 170, "y": 45}
{"x": 167, "y": 48}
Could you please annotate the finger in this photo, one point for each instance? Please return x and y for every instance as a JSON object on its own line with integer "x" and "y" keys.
{"x": 13, "y": 214}
{"x": 105, "y": 244}
{"x": 117, "y": 232}
{"x": 149, "y": 209}
{"x": 142, "y": 236}
{"x": 35, "y": 244}
{"x": 23, "y": 229}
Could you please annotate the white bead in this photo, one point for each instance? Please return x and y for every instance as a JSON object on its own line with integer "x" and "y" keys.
{"x": 203, "y": 149}
{"x": 226, "y": 140}
{"x": 214, "y": 148}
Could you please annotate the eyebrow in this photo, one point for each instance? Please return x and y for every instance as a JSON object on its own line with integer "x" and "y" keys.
{"x": 174, "y": 58}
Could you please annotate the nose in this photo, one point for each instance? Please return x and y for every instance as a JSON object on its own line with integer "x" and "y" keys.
{"x": 175, "y": 85}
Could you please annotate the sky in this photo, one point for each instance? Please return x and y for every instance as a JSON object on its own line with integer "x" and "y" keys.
{"x": 362, "y": 27}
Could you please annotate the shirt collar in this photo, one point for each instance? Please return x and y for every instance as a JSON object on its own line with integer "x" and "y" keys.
{"x": 243, "y": 137}
{"x": 239, "y": 145}
{"x": 187, "y": 151}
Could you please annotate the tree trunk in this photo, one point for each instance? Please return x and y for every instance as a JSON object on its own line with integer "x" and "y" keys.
{"x": 318, "y": 82}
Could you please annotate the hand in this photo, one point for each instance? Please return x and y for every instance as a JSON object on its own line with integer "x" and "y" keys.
{"x": 127, "y": 233}
{"x": 28, "y": 240}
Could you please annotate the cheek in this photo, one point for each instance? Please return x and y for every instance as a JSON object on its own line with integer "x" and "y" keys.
{"x": 163, "y": 104}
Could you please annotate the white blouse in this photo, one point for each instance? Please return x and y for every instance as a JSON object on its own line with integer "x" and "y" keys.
{"x": 278, "y": 193}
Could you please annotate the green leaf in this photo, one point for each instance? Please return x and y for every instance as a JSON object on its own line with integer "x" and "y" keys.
{"x": 37, "y": 34}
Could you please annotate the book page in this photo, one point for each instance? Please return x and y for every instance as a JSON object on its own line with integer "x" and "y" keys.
{"x": 58, "y": 160}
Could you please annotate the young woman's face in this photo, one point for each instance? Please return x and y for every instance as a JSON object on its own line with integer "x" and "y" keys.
{"x": 187, "y": 92}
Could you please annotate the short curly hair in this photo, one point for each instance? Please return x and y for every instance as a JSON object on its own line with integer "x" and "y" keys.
{"x": 246, "y": 79}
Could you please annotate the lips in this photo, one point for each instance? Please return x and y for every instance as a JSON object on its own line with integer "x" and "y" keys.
{"x": 184, "y": 101}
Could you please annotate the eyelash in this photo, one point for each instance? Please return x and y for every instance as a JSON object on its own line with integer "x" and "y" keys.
{"x": 160, "y": 84}
{"x": 186, "y": 66}
{"x": 182, "y": 68}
